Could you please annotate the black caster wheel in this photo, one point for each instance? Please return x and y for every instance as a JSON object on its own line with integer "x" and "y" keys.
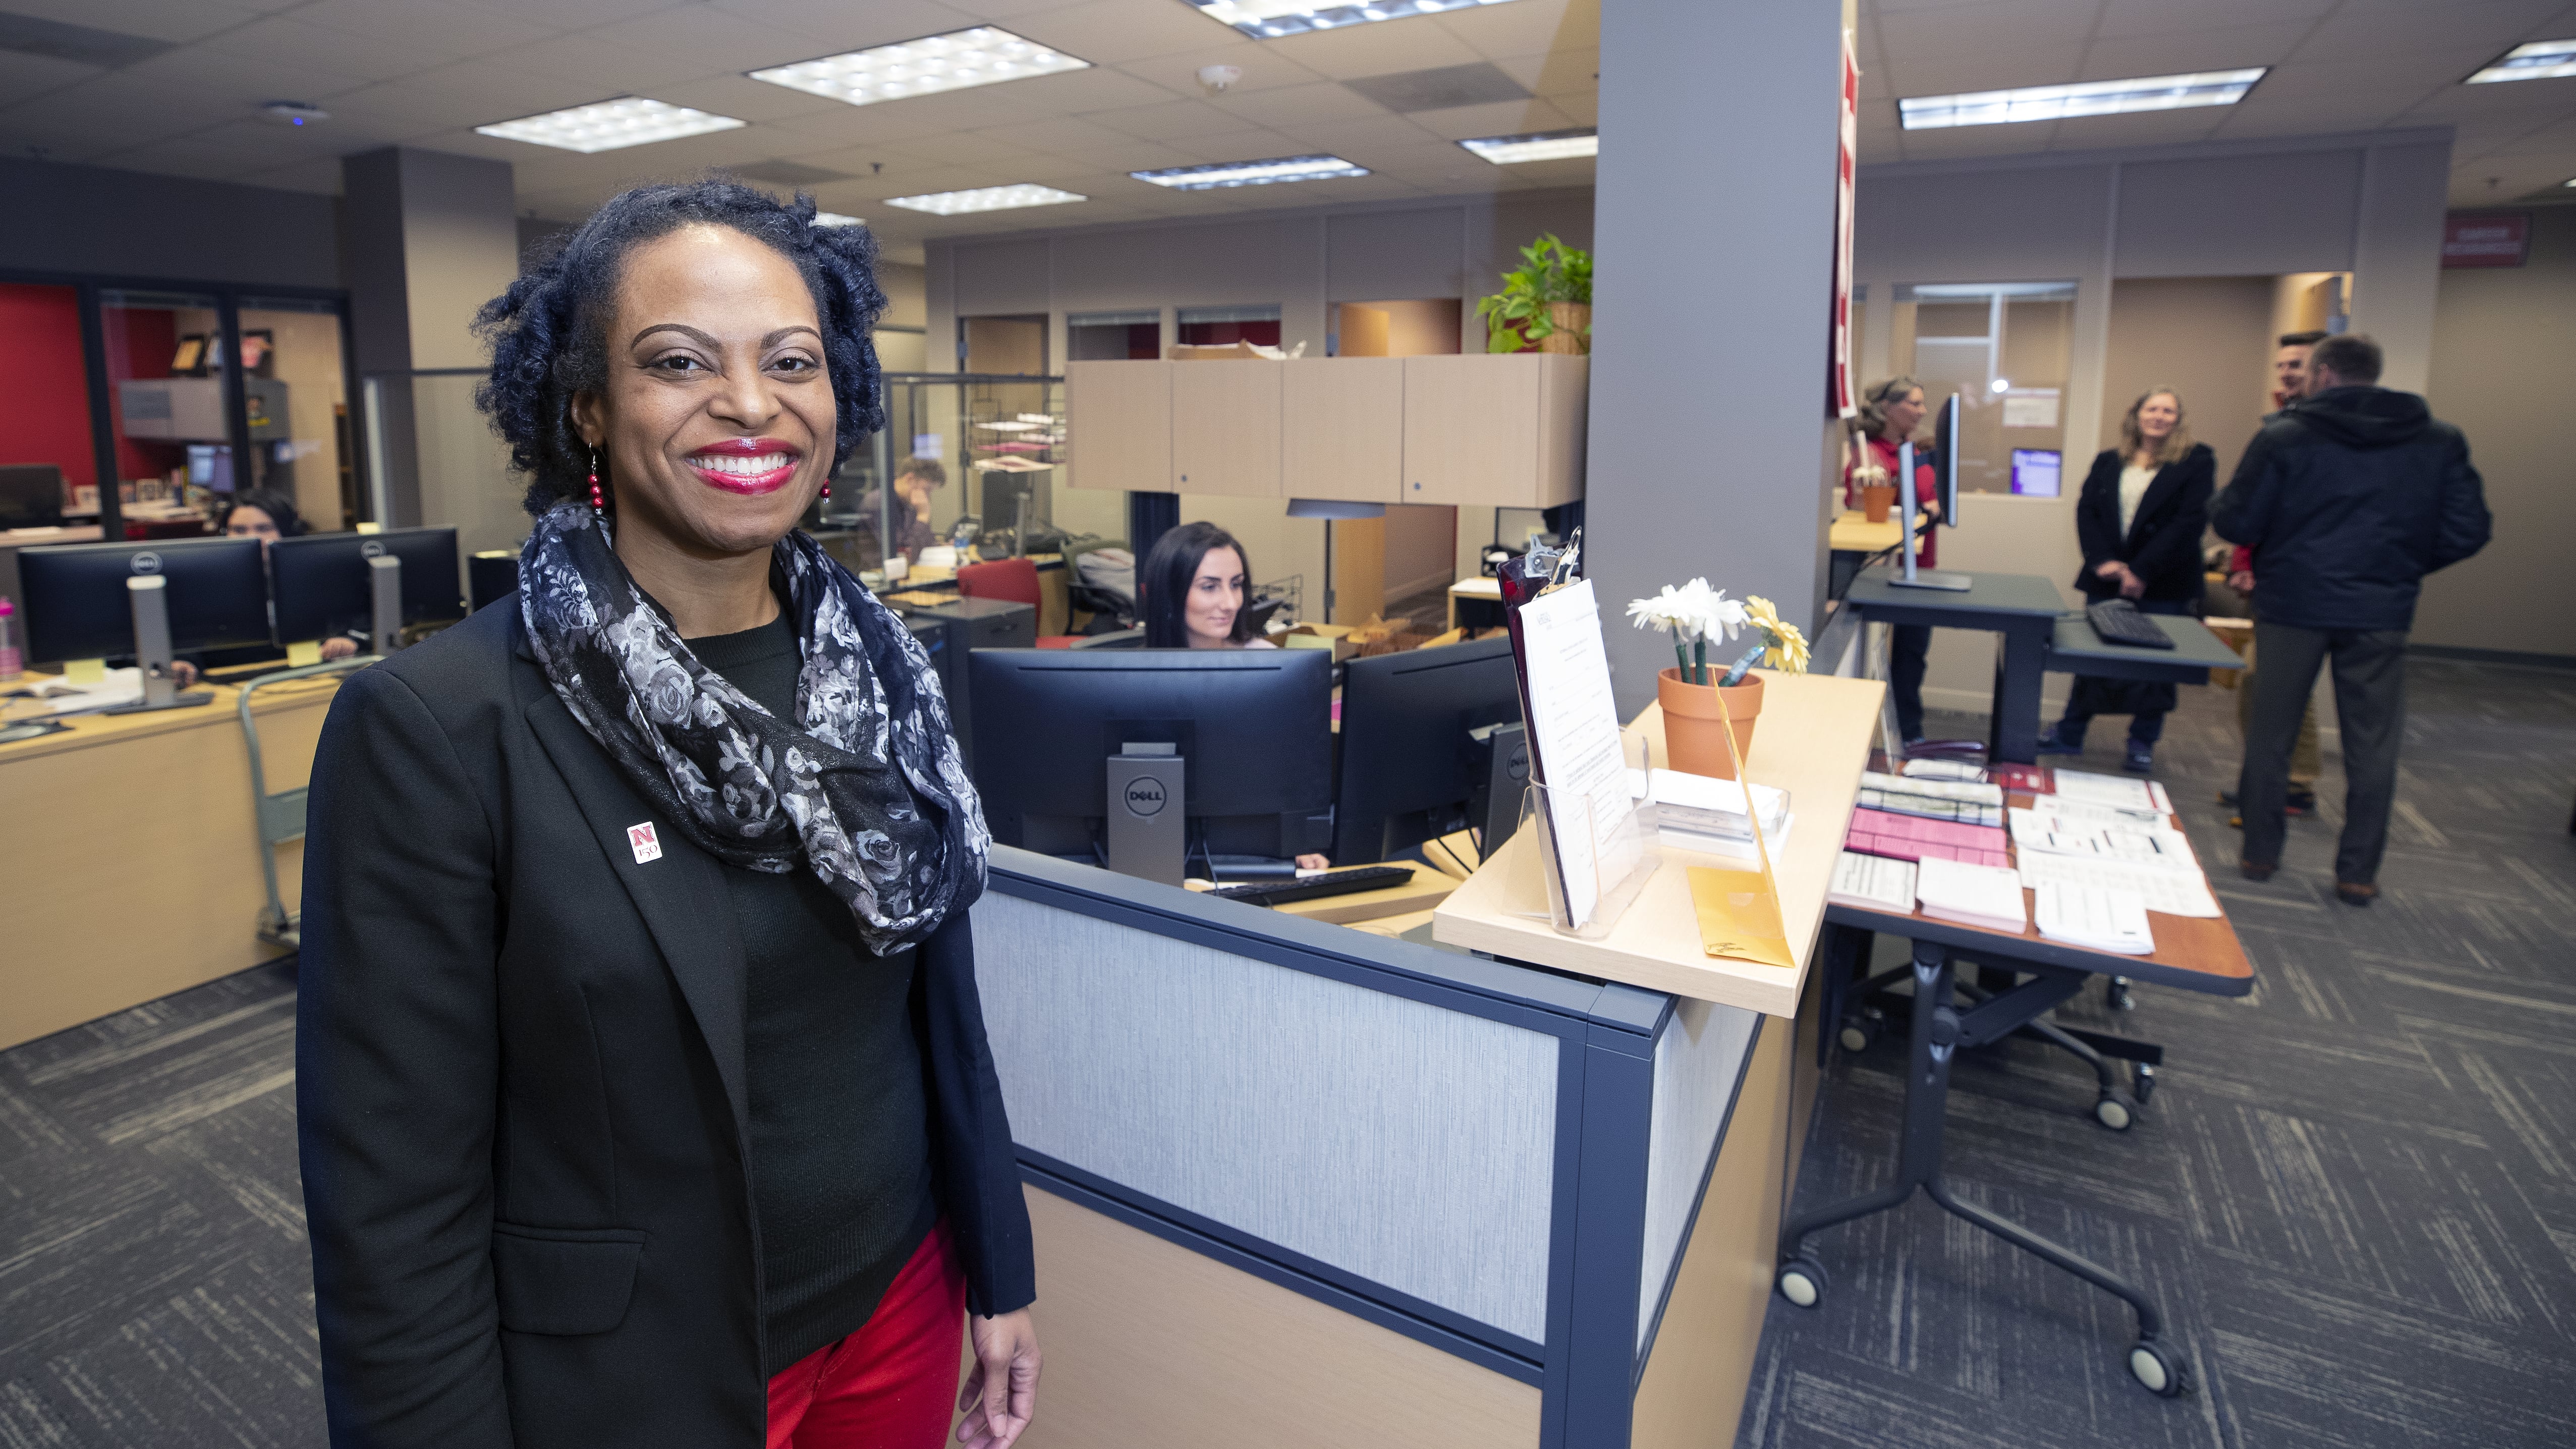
{"x": 1860, "y": 1030}
{"x": 2117, "y": 1111}
{"x": 2160, "y": 1369}
{"x": 2146, "y": 1083}
{"x": 1802, "y": 1281}
{"x": 2115, "y": 994}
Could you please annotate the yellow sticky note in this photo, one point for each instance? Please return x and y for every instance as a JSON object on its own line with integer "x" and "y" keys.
{"x": 307, "y": 652}
{"x": 1739, "y": 916}
{"x": 84, "y": 671}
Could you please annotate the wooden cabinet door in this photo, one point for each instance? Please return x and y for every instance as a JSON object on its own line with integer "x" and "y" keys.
{"x": 1225, "y": 427}
{"x": 1118, "y": 425}
{"x": 1342, "y": 429}
{"x": 1470, "y": 430}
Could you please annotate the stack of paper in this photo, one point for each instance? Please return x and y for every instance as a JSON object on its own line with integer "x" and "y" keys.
{"x": 2113, "y": 790}
{"x": 1704, "y": 805}
{"x": 2095, "y": 918}
{"x": 1775, "y": 838}
{"x": 1972, "y": 895}
{"x": 1908, "y": 837}
{"x": 2133, "y": 843}
{"x": 1873, "y": 883}
{"x": 2169, "y": 892}
{"x": 1969, "y": 804}
{"x": 1944, "y": 770}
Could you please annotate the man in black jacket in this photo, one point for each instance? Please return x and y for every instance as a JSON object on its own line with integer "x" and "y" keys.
{"x": 2348, "y": 498}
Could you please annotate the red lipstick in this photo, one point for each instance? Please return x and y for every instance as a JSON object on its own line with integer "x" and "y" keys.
{"x": 746, "y": 466}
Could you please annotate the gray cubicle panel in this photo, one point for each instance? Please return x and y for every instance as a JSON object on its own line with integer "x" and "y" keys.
{"x": 1500, "y": 1163}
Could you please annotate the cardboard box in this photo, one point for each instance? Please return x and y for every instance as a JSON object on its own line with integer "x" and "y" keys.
{"x": 1336, "y": 637}
{"x": 1188, "y": 352}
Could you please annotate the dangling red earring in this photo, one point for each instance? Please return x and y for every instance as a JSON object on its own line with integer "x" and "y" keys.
{"x": 827, "y": 490}
{"x": 598, "y": 500}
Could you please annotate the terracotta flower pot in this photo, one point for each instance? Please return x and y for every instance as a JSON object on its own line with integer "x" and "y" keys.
{"x": 1876, "y": 500}
{"x": 1695, "y": 731}
{"x": 1569, "y": 319}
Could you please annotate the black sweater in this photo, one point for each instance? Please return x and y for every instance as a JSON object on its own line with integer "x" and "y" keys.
{"x": 840, "y": 1137}
{"x": 2162, "y": 542}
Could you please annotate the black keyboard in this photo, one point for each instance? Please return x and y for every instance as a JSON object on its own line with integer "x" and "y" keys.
{"x": 2119, "y": 622}
{"x": 1307, "y": 888}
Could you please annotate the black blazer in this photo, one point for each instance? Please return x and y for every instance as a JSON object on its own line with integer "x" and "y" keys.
{"x": 520, "y": 1083}
{"x": 2163, "y": 542}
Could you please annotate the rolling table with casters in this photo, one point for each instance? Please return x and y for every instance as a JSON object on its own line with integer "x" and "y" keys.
{"x": 2023, "y": 608}
{"x": 2192, "y": 954}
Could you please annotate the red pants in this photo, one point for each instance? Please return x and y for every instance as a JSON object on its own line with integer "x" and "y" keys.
{"x": 892, "y": 1384}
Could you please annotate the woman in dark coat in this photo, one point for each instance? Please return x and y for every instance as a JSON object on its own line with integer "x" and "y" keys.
{"x": 2140, "y": 519}
{"x": 643, "y": 1090}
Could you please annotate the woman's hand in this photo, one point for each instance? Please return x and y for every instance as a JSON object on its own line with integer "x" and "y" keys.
{"x": 1930, "y": 508}
{"x": 183, "y": 672}
{"x": 1001, "y": 1392}
{"x": 1314, "y": 862}
{"x": 339, "y": 646}
{"x": 2110, "y": 569}
{"x": 2131, "y": 586}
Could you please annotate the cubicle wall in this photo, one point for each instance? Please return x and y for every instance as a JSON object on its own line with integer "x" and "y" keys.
{"x": 1222, "y": 1111}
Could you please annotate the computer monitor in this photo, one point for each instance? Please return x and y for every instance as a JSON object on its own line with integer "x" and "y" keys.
{"x": 1945, "y": 460}
{"x": 78, "y": 606}
{"x": 1408, "y": 756}
{"x": 325, "y": 583}
{"x": 31, "y": 495}
{"x": 1253, "y": 728}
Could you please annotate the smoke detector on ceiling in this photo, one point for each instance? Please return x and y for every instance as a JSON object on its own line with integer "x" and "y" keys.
{"x": 294, "y": 113}
{"x": 1219, "y": 78}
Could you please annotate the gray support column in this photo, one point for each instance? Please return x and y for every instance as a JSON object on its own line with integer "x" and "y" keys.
{"x": 428, "y": 238}
{"x": 1714, "y": 230}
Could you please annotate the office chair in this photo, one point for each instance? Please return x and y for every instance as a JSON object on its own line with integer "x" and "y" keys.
{"x": 1013, "y": 581}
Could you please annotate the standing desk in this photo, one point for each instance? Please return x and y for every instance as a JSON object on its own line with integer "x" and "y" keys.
{"x": 2023, "y": 608}
{"x": 2192, "y": 954}
{"x": 2074, "y": 648}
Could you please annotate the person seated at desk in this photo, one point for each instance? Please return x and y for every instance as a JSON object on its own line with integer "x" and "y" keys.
{"x": 267, "y": 515}
{"x": 2139, "y": 520}
{"x": 1191, "y": 591}
{"x": 1890, "y": 412}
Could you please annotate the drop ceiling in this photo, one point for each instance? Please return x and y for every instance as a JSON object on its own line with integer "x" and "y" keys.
{"x": 173, "y": 86}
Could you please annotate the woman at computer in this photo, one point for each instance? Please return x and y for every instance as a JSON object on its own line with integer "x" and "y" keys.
{"x": 267, "y": 515}
{"x": 644, "y": 1093}
{"x": 2139, "y": 521}
{"x": 1890, "y": 412}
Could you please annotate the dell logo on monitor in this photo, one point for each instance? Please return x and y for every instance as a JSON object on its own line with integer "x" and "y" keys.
{"x": 1144, "y": 797}
{"x": 371, "y": 549}
{"x": 146, "y": 562}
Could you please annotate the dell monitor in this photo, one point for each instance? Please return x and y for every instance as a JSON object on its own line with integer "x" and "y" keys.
{"x": 1945, "y": 460}
{"x": 1945, "y": 488}
{"x": 93, "y": 600}
{"x": 31, "y": 496}
{"x": 1252, "y": 730}
{"x": 330, "y": 583}
{"x": 1410, "y": 746}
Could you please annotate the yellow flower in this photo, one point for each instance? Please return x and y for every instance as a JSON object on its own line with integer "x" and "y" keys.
{"x": 1788, "y": 651}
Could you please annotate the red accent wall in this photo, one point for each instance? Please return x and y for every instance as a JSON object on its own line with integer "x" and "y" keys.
{"x": 45, "y": 418}
{"x": 141, "y": 341}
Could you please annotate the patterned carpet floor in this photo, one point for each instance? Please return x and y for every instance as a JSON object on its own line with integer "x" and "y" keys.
{"x": 2352, "y": 1193}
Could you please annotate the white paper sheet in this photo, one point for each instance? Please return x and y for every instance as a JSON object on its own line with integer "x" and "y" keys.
{"x": 2110, "y": 790}
{"x": 2097, "y": 917}
{"x": 1873, "y": 882}
{"x": 2031, "y": 408}
{"x": 2171, "y": 892}
{"x": 2134, "y": 842}
{"x": 1575, "y": 733}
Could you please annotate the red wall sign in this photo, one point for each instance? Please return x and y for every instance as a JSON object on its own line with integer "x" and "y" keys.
{"x": 2486, "y": 239}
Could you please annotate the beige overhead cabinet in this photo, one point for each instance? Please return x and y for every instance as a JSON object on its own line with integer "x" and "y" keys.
{"x": 1477, "y": 430}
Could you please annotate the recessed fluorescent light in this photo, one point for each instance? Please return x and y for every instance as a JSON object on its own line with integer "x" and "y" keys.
{"x": 985, "y": 198}
{"x": 1270, "y": 19}
{"x": 1250, "y": 173}
{"x": 2540, "y": 60}
{"x": 2090, "y": 98}
{"x": 608, "y": 125}
{"x": 1537, "y": 146}
{"x": 834, "y": 218}
{"x": 951, "y": 62}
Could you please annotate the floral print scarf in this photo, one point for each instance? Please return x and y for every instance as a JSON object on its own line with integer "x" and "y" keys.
{"x": 864, "y": 787}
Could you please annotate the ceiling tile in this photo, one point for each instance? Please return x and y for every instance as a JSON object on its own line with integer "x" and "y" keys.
{"x": 2364, "y": 32}
{"x": 1555, "y": 73}
{"x": 1381, "y": 49}
{"x": 1105, "y": 31}
{"x": 1969, "y": 141}
{"x": 248, "y": 81}
{"x": 1345, "y": 138}
{"x": 173, "y": 20}
{"x": 23, "y": 76}
{"x": 429, "y": 29}
{"x": 1580, "y": 110}
{"x": 846, "y": 126}
{"x": 1250, "y": 144}
{"x": 1322, "y": 101}
{"x": 1525, "y": 26}
{"x": 1983, "y": 67}
{"x": 2258, "y": 115}
{"x": 968, "y": 148}
{"x": 1057, "y": 135}
{"x": 2141, "y": 128}
{"x": 835, "y": 26}
{"x": 609, "y": 68}
{"x": 290, "y": 42}
{"x": 2232, "y": 48}
{"x": 1129, "y": 154}
{"x": 1074, "y": 92}
{"x": 1503, "y": 118}
{"x": 2125, "y": 18}
{"x": 743, "y": 98}
{"x": 1164, "y": 120}
{"x": 708, "y": 38}
{"x": 555, "y": 14}
{"x": 1264, "y": 68}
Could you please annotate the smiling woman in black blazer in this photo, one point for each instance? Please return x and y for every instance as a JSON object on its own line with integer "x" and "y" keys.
{"x": 2139, "y": 521}
{"x": 642, "y": 1085}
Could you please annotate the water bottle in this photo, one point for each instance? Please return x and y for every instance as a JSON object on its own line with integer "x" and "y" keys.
{"x": 10, "y": 666}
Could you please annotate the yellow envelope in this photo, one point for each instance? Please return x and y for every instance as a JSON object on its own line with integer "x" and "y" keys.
{"x": 1739, "y": 910}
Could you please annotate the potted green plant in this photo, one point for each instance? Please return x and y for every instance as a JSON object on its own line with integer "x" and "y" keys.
{"x": 1545, "y": 303}
{"x": 1696, "y": 719}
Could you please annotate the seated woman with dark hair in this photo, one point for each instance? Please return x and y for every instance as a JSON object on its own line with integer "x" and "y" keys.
{"x": 1192, "y": 590}
{"x": 267, "y": 515}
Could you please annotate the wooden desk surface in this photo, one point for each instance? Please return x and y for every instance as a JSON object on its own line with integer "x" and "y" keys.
{"x": 1813, "y": 741}
{"x": 89, "y": 731}
{"x": 1415, "y": 898}
{"x": 1478, "y": 588}
{"x": 1852, "y": 532}
{"x": 2192, "y": 952}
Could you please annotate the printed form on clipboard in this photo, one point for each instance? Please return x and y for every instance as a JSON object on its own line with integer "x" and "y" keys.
{"x": 1574, "y": 745}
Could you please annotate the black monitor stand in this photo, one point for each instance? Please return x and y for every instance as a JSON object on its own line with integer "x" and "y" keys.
{"x": 1914, "y": 578}
{"x": 150, "y": 595}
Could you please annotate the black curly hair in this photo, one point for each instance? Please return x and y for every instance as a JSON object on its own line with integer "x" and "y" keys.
{"x": 549, "y": 332}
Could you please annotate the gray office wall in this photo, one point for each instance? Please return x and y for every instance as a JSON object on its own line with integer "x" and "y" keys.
{"x": 91, "y": 220}
{"x": 1711, "y": 303}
